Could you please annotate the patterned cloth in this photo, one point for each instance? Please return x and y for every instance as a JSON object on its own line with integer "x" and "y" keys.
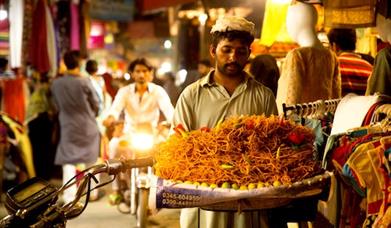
{"x": 308, "y": 74}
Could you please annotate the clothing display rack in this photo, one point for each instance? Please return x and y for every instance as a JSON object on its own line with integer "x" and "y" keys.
{"x": 312, "y": 108}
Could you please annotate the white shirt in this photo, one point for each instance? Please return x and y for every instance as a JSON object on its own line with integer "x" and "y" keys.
{"x": 142, "y": 109}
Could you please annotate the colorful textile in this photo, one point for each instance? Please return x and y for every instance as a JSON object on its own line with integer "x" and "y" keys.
{"x": 4, "y": 38}
{"x": 354, "y": 73}
{"x": 360, "y": 163}
{"x": 354, "y": 179}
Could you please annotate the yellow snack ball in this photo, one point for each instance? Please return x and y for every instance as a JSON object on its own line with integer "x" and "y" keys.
{"x": 213, "y": 186}
{"x": 251, "y": 186}
{"x": 276, "y": 183}
{"x": 243, "y": 187}
{"x": 204, "y": 184}
{"x": 225, "y": 185}
{"x": 235, "y": 186}
{"x": 260, "y": 185}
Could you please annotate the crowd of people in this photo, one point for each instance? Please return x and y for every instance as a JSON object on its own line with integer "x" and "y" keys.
{"x": 87, "y": 107}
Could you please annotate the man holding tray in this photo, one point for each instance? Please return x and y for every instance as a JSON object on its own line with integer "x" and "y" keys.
{"x": 225, "y": 91}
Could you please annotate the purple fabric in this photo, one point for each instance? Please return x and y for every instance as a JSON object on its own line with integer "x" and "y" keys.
{"x": 75, "y": 29}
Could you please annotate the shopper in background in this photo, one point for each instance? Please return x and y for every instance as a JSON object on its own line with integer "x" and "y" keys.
{"x": 354, "y": 69}
{"x": 204, "y": 66}
{"x": 98, "y": 83}
{"x": 310, "y": 72}
{"x": 77, "y": 105}
{"x": 225, "y": 91}
{"x": 380, "y": 79}
{"x": 265, "y": 70}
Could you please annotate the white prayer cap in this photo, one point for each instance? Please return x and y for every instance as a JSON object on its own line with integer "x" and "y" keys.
{"x": 231, "y": 23}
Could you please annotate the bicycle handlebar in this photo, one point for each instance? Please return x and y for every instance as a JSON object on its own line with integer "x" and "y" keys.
{"x": 111, "y": 167}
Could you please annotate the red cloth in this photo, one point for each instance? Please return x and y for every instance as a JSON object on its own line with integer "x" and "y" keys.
{"x": 39, "y": 57}
{"x": 109, "y": 87}
{"x": 14, "y": 99}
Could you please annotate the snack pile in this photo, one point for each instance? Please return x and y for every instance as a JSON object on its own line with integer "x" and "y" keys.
{"x": 243, "y": 152}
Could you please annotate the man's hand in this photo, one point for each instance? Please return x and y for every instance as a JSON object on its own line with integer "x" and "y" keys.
{"x": 108, "y": 121}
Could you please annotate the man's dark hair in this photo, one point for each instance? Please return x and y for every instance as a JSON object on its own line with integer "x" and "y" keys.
{"x": 244, "y": 37}
{"x": 205, "y": 62}
{"x": 91, "y": 66}
{"x": 72, "y": 59}
{"x": 139, "y": 61}
{"x": 344, "y": 38}
{"x": 264, "y": 68}
{"x": 3, "y": 64}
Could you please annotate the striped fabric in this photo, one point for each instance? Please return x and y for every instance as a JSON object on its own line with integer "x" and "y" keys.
{"x": 4, "y": 38}
{"x": 354, "y": 73}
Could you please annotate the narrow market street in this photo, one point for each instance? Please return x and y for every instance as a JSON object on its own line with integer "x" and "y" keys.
{"x": 101, "y": 214}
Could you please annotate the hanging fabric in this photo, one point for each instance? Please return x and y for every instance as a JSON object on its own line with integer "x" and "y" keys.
{"x": 274, "y": 28}
{"x": 38, "y": 48}
{"x": 4, "y": 38}
{"x": 16, "y": 12}
{"x": 51, "y": 43}
{"x": 75, "y": 25}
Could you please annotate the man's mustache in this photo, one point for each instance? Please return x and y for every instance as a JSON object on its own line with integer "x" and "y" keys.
{"x": 233, "y": 64}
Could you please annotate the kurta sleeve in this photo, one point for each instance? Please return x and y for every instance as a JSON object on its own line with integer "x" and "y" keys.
{"x": 290, "y": 83}
{"x": 380, "y": 79}
{"x": 119, "y": 103}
